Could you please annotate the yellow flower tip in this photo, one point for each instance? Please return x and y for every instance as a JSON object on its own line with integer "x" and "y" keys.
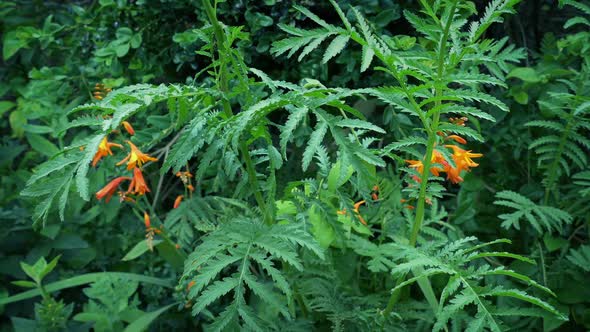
{"x": 128, "y": 128}
{"x": 135, "y": 158}
{"x": 341, "y": 212}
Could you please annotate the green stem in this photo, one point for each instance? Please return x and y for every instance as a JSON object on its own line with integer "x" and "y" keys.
{"x": 427, "y": 162}
{"x": 542, "y": 258}
{"x": 43, "y": 292}
{"x": 553, "y": 168}
{"x": 224, "y": 87}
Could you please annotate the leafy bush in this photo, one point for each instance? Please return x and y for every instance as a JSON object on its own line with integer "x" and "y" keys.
{"x": 280, "y": 165}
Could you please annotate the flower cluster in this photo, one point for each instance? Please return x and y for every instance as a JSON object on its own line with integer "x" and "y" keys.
{"x": 461, "y": 158}
{"x": 357, "y": 205}
{"x": 135, "y": 160}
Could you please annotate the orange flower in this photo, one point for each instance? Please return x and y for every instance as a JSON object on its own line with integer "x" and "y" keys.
{"x": 138, "y": 185}
{"x": 457, "y": 139}
{"x": 453, "y": 175}
{"x": 357, "y": 206}
{"x": 110, "y": 188}
{"x": 459, "y": 121}
{"x": 437, "y": 158}
{"x": 185, "y": 174}
{"x": 104, "y": 149}
{"x": 190, "y": 187}
{"x": 375, "y": 193}
{"x": 190, "y": 284}
{"x": 177, "y": 201}
{"x": 135, "y": 158}
{"x": 416, "y": 164}
{"x": 462, "y": 157}
{"x": 184, "y": 177}
{"x": 128, "y": 127}
{"x": 147, "y": 221}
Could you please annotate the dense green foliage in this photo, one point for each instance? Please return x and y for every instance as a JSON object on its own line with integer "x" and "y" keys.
{"x": 295, "y": 165}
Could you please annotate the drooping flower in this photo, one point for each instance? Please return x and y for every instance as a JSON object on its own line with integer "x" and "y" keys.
{"x": 177, "y": 201}
{"x": 128, "y": 128}
{"x": 135, "y": 158}
{"x": 138, "y": 185}
{"x": 104, "y": 149}
{"x": 453, "y": 175}
{"x": 108, "y": 190}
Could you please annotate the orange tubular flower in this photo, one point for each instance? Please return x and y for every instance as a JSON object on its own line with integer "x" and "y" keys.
{"x": 416, "y": 164}
{"x": 357, "y": 206}
{"x": 110, "y": 188}
{"x": 128, "y": 127}
{"x": 104, "y": 149}
{"x": 457, "y": 139}
{"x": 138, "y": 185}
{"x": 177, "y": 201}
{"x": 146, "y": 220}
{"x": 135, "y": 158}
{"x": 453, "y": 175}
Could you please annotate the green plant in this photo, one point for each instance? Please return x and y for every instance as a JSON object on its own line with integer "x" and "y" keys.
{"x": 350, "y": 200}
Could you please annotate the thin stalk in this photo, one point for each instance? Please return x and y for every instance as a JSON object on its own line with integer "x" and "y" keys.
{"x": 553, "y": 168}
{"x": 224, "y": 87}
{"x": 431, "y": 142}
{"x": 542, "y": 258}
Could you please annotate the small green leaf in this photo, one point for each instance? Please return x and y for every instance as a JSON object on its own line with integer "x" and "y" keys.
{"x": 139, "y": 249}
{"x": 24, "y": 283}
{"x": 42, "y": 145}
{"x": 12, "y": 43}
{"x": 521, "y": 97}
{"x": 335, "y": 47}
{"x": 526, "y": 74}
{"x": 6, "y": 106}
{"x": 144, "y": 321}
{"x": 321, "y": 230}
